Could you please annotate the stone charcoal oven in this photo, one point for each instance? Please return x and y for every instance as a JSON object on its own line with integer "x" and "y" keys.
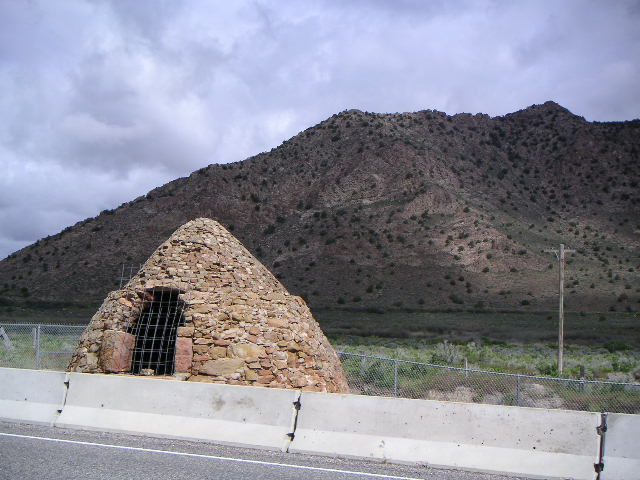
{"x": 203, "y": 309}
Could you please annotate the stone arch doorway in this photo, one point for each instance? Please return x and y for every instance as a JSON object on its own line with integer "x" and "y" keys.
{"x": 155, "y": 331}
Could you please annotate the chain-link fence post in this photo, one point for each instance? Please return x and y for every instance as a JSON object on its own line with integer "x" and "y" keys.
{"x": 395, "y": 378}
{"x": 38, "y": 356}
{"x": 36, "y": 346}
{"x": 517, "y": 390}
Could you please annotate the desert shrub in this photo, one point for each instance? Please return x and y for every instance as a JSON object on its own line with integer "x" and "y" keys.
{"x": 269, "y": 230}
{"x": 616, "y": 346}
{"x": 447, "y": 353}
{"x": 455, "y": 299}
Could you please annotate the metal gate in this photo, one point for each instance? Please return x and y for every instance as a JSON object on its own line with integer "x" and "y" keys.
{"x": 155, "y": 331}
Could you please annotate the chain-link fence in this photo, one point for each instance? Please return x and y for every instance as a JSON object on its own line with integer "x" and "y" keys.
{"x": 27, "y": 345}
{"x": 369, "y": 375}
{"x": 50, "y": 347}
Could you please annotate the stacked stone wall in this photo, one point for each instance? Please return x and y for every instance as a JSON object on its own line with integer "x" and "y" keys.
{"x": 241, "y": 325}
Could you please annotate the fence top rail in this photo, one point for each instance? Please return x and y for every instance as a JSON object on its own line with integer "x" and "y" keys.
{"x": 488, "y": 372}
{"x": 18, "y": 324}
{"x": 41, "y": 325}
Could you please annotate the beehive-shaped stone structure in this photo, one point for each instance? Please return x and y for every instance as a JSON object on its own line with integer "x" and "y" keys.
{"x": 202, "y": 308}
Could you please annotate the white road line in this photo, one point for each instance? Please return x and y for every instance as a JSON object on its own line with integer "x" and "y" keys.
{"x": 210, "y": 457}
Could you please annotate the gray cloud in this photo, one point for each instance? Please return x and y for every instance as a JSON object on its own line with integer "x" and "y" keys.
{"x": 93, "y": 93}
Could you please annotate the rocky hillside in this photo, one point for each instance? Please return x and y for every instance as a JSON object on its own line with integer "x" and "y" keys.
{"x": 411, "y": 210}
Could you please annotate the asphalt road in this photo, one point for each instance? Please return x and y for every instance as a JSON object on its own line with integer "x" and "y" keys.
{"x": 40, "y": 453}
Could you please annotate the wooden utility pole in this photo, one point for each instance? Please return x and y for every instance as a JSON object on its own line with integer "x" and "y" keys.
{"x": 560, "y": 255}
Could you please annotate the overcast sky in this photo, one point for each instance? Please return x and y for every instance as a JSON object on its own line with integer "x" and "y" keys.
{"x": 101, "y": 101}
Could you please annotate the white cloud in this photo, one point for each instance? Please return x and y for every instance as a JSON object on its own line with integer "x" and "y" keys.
{"x": 85, "y": 129}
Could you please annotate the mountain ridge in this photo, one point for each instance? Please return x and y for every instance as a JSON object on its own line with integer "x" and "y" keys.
{"x": 406, "y": 210}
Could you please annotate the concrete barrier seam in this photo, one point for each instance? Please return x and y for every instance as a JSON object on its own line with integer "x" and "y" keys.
{"x": 602, "y": 431}
{"x": 294, "y": 421}
{"x": 65, "y": 391}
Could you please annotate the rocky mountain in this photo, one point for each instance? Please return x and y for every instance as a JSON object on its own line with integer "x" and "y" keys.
{"x": 408, "y": 210}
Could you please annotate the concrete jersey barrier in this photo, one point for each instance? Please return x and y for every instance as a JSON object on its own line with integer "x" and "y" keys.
{"x": 31, "y": 396}
{"x": 491, "y": 438}
{"x": 240, "y": 415}
{"x": 622, "y": 447}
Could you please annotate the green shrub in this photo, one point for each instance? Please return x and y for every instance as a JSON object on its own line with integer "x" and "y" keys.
{"x": 455, "y": 299}
{"x": 616, "y": 346}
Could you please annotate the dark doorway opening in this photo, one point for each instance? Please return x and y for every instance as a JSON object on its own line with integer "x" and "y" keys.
{"x": 155, "y": 331}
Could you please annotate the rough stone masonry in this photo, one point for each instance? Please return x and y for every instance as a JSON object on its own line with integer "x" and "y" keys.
{"x": 241, "y": 326}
